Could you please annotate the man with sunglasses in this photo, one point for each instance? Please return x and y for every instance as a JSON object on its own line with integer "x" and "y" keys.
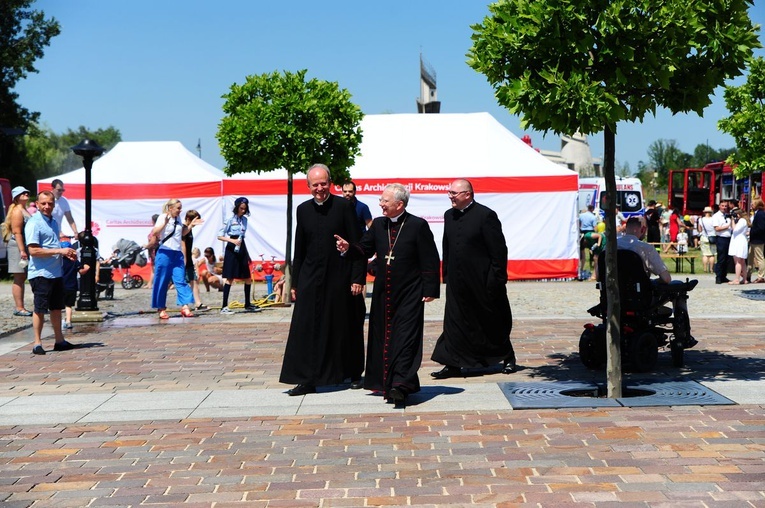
{"x": 62, "y": 209}
{"x": 477, "y": 317}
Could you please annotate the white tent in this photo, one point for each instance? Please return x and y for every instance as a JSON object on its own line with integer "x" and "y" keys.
{"x": 536, "y": 200}
{"x": 133, "y": 181}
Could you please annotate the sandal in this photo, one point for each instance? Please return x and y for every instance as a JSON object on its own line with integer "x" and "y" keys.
{"x": 163, "y": 315}
{"x": 185, "y": 312}
{"x": 201, "y": 307}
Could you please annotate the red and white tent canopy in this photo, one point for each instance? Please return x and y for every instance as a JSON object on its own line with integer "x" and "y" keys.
{"x": 536, "y": 200}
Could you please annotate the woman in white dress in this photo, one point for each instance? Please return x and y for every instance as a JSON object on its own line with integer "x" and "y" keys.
{"x": 739, "y": 244}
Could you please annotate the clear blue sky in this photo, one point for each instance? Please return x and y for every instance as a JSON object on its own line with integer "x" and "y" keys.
{"x": 156, "y": 69}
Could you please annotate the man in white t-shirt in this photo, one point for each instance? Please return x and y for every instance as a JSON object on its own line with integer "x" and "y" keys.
{"x": 62, "y": 209}
{"x": 635, "y": 229}
{"x": 722, "y": 223}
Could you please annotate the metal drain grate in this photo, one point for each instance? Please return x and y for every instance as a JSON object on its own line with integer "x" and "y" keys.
{"x": 753, "y": 294}
{"x": 553, "y": 395}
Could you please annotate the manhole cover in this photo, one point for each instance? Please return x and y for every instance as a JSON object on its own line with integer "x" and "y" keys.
{"x": 753, "y": 294}
{"x": 560, "y": 395}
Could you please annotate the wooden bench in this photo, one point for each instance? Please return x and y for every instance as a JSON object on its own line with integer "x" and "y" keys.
{"x": 679, "y": 261}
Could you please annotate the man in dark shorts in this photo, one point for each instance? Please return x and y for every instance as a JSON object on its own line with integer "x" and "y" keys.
{"x": 45, "y": 271}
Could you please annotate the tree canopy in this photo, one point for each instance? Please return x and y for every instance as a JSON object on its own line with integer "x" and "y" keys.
{"x": 586, "y": 65}
{"x": 746, "y": 122}
{"x": 277, "y": 120}
{"x": 24, "y": 33}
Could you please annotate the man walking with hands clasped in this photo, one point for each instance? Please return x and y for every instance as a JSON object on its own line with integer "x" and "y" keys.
{"x": 477, "y": 317}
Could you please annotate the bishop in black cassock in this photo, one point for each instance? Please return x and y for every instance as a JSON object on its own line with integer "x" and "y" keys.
{"x": 406, "y": 277}
{"x": 321, "y": 346}
{"x": 477, "y": 316}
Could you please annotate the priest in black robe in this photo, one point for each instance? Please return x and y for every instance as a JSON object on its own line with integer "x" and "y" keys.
{"x": 321, "y": 346}
{"x": 407, "y": 277}
{"x": 477, "y": 316}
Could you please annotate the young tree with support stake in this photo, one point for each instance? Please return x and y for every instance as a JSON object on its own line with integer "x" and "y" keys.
{"x": 586, "y": 65}
{"x": 277, "y": 120}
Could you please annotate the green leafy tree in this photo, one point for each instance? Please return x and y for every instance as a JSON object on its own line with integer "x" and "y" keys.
{"x": 704, "y": 154}
{"x": 746, "y": 122}
{"x": 276, "y": 120}
{"x": 43, "y": 153}
{"x": 663, "y": 155}
{"x": 24, "y": 33}
{"x": 586, "y": 65}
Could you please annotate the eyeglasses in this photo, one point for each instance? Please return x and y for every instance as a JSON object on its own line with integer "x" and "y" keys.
{"x": 453, "y": 194}
{"x": 60, "y": 189}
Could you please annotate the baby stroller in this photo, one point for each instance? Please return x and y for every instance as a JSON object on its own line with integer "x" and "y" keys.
{"x": 647, "y": 323}
{"x": 127, "y": 253}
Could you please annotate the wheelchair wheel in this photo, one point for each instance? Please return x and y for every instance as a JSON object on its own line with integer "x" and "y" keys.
{"x": 137, "y": 281}
{"x": 592, "y": 347}
{"x": 644, "y": 352}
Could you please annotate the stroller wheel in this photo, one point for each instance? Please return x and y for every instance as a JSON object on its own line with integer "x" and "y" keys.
{"x": 109, "y": 293}
{"x": 127, "y": 283}
{"x": 137, "y": 281}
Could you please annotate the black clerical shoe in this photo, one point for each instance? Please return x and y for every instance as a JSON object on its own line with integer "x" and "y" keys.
{"x": 397, "y": 396}
{"x": 509, "y": 366}
{"x": 301, "y": 390}
{"x": 447, "y": 372}
{"x": 357, "y": 384}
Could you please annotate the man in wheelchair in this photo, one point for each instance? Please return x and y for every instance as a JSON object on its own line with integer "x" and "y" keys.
{"x": 646, "y": 322}
{"x": 664, "y": 287}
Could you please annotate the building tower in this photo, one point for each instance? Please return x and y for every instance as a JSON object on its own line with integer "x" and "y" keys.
{"x": 428, "y": 101}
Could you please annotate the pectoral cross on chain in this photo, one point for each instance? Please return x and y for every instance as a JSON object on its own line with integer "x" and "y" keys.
{"x": 390, "y": 257}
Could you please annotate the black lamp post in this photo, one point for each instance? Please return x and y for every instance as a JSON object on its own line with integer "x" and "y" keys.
{"x": 88, "y": 300}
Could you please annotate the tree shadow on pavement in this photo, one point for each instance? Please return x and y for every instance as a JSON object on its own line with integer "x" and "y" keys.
{"x": 700, "y": 365}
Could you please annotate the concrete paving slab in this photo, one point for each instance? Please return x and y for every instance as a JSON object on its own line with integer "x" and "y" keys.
{"x": 42, "y": 418}
{"x": 129, "y": 415}
{"x": 42, "y": 404}
{"x": 147, "y": 401}
{"x": 739, "y": 391}
{"x": 249, "y": 399}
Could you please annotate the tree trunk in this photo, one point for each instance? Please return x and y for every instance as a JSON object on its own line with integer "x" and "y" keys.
{"x": 286, "y": 295}
{"x": 613, "y": 322}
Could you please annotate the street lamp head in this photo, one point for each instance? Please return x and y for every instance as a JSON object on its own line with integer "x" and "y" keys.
{"x": 88, "y": 149}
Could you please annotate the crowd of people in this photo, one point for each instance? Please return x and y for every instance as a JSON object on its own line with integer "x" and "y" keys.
{"x": 337, "y": 243}
{"x": 721, "y": 234}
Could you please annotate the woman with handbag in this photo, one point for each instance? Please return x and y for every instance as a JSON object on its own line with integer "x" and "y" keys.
{"x": 707, "y": 241}
{"x": 18, "y": 257}
{"x": 170, "y": 264}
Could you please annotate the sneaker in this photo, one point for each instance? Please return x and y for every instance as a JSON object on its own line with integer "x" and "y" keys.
{"x": 69, "y": 326}
{"x": 62, "y": 346}
{"x": 252, "y": 308}
{"x": 38, "y": 350}
{"x": 226, "y": 310}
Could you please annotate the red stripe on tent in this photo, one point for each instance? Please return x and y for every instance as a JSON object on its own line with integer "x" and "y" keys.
{"x": 265, "y": 187}
{"x": 483, "y": 185}
{"x": 527, "y": 269}
{"x": 125, "y": 191}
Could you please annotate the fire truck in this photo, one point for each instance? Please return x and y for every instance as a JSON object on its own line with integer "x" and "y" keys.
{"x": 692, "y": 189}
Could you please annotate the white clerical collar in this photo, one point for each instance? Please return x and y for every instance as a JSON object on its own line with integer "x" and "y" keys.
{"x": 320, "y": 203}
{"x": 468, "y": 206}
{"x": 396, "y": 218}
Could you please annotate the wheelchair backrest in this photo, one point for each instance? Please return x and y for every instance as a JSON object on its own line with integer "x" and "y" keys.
{"x": 635, "y": 289}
